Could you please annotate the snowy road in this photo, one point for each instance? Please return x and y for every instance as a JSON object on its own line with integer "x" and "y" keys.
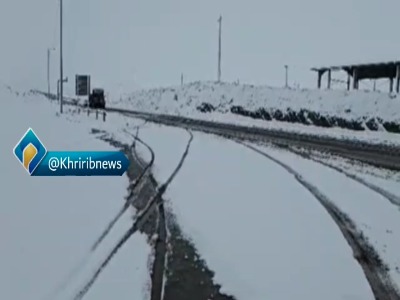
{"x": 206, "y": 196}
{"x": 239, "y": 225}
{"x": 374, "y": 268}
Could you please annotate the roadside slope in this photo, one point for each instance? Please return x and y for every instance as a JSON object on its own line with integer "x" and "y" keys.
{"x": 344, "y": 113}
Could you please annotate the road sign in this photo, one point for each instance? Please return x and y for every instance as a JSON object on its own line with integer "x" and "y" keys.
{"x": 82, "y": 85}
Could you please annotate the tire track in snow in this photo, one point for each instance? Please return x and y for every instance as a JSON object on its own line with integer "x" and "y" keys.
{"x": 177, "y": 270}
{"x": 85, "y": 259}
{"x": 157, "y": 272}
{"x": 130, "y": 198}
{"x": 160, "y": 247}
{"x": 139, "y": 221}
{"x": 374, "y": 268}
{"x": 392, "y": 198}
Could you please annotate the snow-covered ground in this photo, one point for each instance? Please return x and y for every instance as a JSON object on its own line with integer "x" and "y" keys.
{"x": 387, "y": 179}
{"x": 47, "y": 225}
{"x": 348, "y": 105}
{"x": 373, "y": 137}
{"x": 261, "y": 232}
{"x": 373, "y": 214}
{"x": 256, "y": 227}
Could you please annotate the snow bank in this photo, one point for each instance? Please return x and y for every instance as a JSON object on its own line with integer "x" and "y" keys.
{"x": 314, "y": 109}
{"x": 348, "y": 104}
{"x": 47, "y": 225}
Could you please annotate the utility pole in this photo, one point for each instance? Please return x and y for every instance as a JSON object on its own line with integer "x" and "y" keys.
{"x": 61, "y": 57}
{"x": 58, "y": 88}
{"x": 48, "y": 69}
{"x": 286, "y": 76}
{"x": 219, "y": 48}
{"x": 182, "y": 79}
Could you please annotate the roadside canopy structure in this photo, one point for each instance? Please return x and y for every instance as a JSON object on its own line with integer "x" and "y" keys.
{"x": 385, "y": 70}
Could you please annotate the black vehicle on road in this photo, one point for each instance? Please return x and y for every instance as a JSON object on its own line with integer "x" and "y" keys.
{"x": 96, "y": 99}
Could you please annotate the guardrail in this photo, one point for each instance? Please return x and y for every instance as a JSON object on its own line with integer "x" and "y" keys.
{"x": 97, "y": 112}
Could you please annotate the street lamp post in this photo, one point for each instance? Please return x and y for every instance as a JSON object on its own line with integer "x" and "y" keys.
{"x": 61, "y": 57}
{"x": 286, "y": 76}
{"x": 48, "y": 69}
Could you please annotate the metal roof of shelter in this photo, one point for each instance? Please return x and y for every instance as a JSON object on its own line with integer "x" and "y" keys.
{"x": 366, "y": 71}
{"x": 389, "y": 70}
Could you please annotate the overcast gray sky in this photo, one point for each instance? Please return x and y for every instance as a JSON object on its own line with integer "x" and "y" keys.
{"x": 131, "y": 43}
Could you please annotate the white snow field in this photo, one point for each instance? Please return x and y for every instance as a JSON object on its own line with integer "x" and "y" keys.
{"x": 349, "y": 105}
{"x": 263, "y": 234}
{"x": 48, "y": 224}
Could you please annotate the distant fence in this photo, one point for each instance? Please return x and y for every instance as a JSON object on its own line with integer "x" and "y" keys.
{"x": 99, "y": 114}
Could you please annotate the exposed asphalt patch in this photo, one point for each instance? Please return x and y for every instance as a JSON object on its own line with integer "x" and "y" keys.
{"x": 187, "y": 275}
